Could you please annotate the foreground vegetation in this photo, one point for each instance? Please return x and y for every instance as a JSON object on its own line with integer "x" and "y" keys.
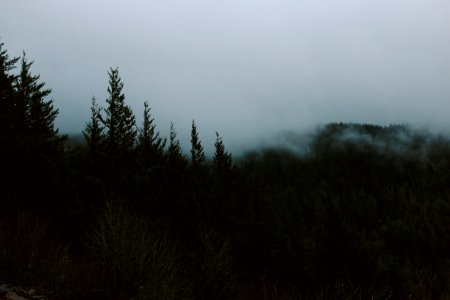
{"x": 363, "y": 214}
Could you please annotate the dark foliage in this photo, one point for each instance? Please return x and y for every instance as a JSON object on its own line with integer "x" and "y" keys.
{"x": 197, "y": 154}
{"x": 120, "y": 121}
{"x": 94, "y": 130}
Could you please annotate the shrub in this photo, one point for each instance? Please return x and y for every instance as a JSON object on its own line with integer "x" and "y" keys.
{"x": 138, "y": 258}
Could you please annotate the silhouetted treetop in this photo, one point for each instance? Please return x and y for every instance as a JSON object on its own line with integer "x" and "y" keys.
{"x": 197, "y": 154}
{"x": 120, "y": 121}
{"x": 33, "y": 110}
{"x": 222, "y": 159}
{"x": 94, "y": 130}
{"x": 149, "y": 142}
{"x": 174, "y": 150}
{"x": 7, "y": 92}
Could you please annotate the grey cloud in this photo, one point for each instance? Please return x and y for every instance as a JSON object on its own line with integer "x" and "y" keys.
{"x": 247, "y": 69}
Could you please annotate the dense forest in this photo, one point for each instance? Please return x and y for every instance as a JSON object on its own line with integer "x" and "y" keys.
{"x": 364, "y": 213}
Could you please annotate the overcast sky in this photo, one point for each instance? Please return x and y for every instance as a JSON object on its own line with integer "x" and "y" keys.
{"x": 246, "y": 68}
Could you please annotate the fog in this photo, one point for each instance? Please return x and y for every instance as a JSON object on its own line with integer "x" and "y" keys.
{"x": 247, "y": 69}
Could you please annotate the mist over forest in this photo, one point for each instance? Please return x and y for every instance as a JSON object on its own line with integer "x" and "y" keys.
{"x": 343, "y": 211}
{"x": 249, "y": 70}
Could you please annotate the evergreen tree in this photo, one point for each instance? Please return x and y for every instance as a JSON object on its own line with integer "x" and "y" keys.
{"x": 174, "y": 151}
{"x": 197, "y": 155}
{"x": 7, "y": 95}
{"x": 222, "y": 159}
{"x": 35, "y": 143}
{"x": 150, "y": 144}
{"x": 34, "y": 113}
{"x": 93, "y": 132}
{"x": 120, "y": 121}
{"x": 9, "y": 138}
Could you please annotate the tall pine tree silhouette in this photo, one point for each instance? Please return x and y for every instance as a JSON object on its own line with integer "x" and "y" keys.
{"x": 93, "y": 131}
{"x": 174, "y": 150}
{"x": 222, "y": 159}
{"x": 7, "y": 97}
{"x": 35, "y": 162}
{"x": 119, "y": 139}
{"x": 120, "y": 121}
{"x": 197, "y": 155}
{"x": 9, "y": 135}
{"x": 150, "y": 145}
{"x": 35, "y": 112}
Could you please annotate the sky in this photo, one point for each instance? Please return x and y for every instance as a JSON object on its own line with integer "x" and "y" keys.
{"x": 249, "y": 69}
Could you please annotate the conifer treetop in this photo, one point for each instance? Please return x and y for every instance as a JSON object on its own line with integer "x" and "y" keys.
{"x": 197, "y": 154}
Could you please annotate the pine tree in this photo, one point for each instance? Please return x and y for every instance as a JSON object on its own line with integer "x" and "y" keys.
{"x": 7, "y": 95}
{"x": 93, "y": 132}
{"x": 37, "y": 148}
{"x": 120, "y": 121}
{"x": 34, "y": 113}
{"x": 222, "y": 159}
{"x": 9, "y": 137}
{"x": 174, "y": 151}
{"x": 150, "y": 144}
{"x": 197, "y": 155}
